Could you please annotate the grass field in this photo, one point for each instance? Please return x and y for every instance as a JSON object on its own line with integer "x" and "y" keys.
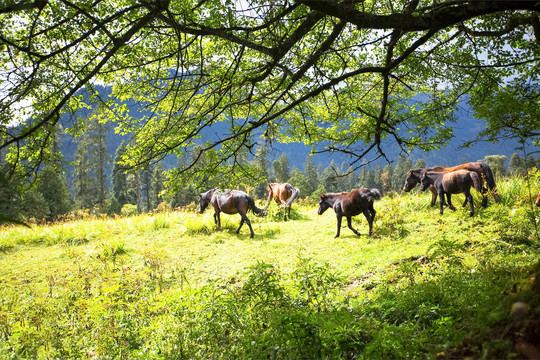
{"x": 170, "y": 285}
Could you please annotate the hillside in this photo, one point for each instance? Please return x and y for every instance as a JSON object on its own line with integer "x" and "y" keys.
{"x": 465, "y": 129}
{"x": 171, "y": 286}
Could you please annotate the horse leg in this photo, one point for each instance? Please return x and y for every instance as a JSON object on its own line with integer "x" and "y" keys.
{"x": 433, "y": 196}
{"x": 372, "y": 212}
{"x": 441, "y": 201}
{"x": 246, "y": 220}
{"x": 285, "y": 212}
{"x": 350, "y": 225}
{"x": 217, "y": 220}
{"x": 370, "y": 216}
{"x": 466, "y": 201}
{"x": 290, "y": 211}
{"x": 450, "y": 206}
{"x": 469, "y": 196}
{"x": 338, "y": 225}
{"x": 241, "y": 223}
{"x": 249, "y": 225}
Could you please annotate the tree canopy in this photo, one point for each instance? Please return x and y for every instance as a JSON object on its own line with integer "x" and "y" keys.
{"x": 348, "y": 76}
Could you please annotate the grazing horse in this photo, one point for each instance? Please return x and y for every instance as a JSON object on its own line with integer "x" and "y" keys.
{"x": 538, "y": 199}
{"x": 283, "y": 194}
{"x": 413, "y": 177}
{"x": 454, "y": 182}
{"x": 230, "y": 202}
{"x": 350, "y": 204}
{"x": 480, "y": 168}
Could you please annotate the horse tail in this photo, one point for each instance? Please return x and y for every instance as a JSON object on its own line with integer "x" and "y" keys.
{"x": 477, "y": 182}
{"x": 373, "y": 194}
{"x": 295, "y": 193}
{"x": 270, "y": 194}
{"x": 490, "y": 180}
{"x": 256, "y": 210}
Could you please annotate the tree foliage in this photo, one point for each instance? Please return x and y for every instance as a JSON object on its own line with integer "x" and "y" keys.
{"x": 337, "y": 75}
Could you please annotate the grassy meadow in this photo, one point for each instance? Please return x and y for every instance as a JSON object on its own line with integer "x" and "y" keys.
{"x": 170, "y": 286}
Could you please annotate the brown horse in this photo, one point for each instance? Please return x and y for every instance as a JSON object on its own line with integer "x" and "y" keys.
{"x": 350, "y": 204}
{"x": 480, "y": 168}
{"x": 454, "y": 182}
{"x": 283, "y": 194}
{"x": 230, "y": 202}
{"x": 538, "y": 199}
{"x": 413, "y": 177}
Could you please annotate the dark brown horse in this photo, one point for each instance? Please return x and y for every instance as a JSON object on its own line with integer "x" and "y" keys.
{"x": 230, "y": 202}
{"x": 413, "y": 177}
{"x": 350, "y": 204}
{"x": 449, "y": 183}
{"x": 480, "y": 168}
{"x": 283, "y": 194}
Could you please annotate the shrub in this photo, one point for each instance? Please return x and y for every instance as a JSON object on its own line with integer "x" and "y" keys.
{"x": 129, "y": 210}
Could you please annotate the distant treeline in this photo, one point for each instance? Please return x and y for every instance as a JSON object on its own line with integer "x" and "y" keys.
{"x": 144, "y": 190}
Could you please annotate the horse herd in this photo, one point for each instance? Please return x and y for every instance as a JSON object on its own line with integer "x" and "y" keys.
{"x": 443, "y": 183}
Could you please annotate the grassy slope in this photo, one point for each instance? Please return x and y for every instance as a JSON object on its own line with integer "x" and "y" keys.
{"x": 425, "y": 281}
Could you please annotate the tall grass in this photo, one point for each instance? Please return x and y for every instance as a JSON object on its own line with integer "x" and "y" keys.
{"x": 170, "y": 285}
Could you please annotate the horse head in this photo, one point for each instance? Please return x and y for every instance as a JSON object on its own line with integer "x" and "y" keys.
{"x": 205, "y": 198}
{"x": 323, "y": 204}
{"x": 411, "y": 180}
{"x": 425, "y": 181}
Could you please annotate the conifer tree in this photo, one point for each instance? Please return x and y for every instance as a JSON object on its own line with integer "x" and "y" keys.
{"x": 119, "y": 177}
{"x": 329, "y": 177}
{"x": 349, "y": 179}
{"x": 92, "y": 164}
{"x": 312, "y": 176}
{"x": 420, "y": 163}
{"x": 83, "y": 183}
{"x": 54, "y": 189}
{"x": 363, "y": 176}
{"x": 298, "y": 180}
{"x": 281, "y": 169}
{"x": 377, "y": 181}
{"x": 260, "y": 161}
{"x": 403, "y": 165}
{"x": 146, "y": 177}
{"x": 158, "y": 183}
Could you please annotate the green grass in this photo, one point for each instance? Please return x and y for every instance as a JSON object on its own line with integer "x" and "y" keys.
{"x": 170, "y": 285}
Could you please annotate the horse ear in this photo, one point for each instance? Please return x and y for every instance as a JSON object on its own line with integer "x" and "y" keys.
{"x": 200, "y": 195}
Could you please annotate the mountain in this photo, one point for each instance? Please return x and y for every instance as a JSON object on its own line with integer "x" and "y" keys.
{"x": 466, "y": 128}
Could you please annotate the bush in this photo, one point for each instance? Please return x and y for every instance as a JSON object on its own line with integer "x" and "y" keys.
{"x": 129, "y": 210}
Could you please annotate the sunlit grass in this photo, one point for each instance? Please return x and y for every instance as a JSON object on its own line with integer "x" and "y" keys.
{"x": 417, "y": 274}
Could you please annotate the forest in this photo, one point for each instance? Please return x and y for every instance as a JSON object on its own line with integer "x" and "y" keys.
{"x": 100, "y": 185}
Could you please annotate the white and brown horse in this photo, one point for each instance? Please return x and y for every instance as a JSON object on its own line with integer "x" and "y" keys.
{"x": 283, "y": 194}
